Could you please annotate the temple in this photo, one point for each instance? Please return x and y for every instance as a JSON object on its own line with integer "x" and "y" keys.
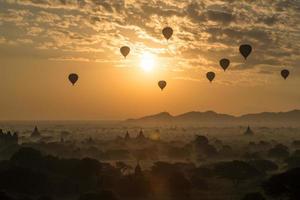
{"x": 138, "y": 170}
{"x": 249, "y": 131}
{"x": 141, "y": 136}
{"x": 35, "y": 133}
{"x": 127, "y": 136}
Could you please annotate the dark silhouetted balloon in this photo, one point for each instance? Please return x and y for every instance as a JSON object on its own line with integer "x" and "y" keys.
{"x": 285, "y": 73}
{"x": 210, "y": 76}
{"x": 245, "y": 50}
{"x": 224, "y": 63}
{"x": 167, "y": 32}
{"x": 125, "y": 50}
{"x": 73, "y": 78}
{"x": 162, "y": 84}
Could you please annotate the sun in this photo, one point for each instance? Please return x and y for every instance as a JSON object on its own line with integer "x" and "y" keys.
{"x": 147, "y": 62}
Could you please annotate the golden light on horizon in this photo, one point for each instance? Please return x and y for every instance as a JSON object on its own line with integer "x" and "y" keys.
{"x": 148, "y": 61}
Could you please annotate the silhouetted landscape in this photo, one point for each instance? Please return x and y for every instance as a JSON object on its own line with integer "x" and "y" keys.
{"x": 110, "y": 160}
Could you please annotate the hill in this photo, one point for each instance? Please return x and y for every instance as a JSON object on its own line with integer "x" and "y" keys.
{"x": 211, "y": 118}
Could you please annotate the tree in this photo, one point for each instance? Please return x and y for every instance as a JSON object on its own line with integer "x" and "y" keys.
{"x": 163, "y": 168}
{"x": 201, "y": 147}
{"x": 23, "y": 181}
{"x": 4, "y": 196}
{"x": 284, "y": 185}
{"x": 179, "y": 185}
{"x": 103, "y": 195}
{"x": 123, "y": 167}
{"x": 132, "y": 187}
{"x": 171, "y": 179}
{"x": 236, "y": 171}
{"x": 199, "y": 177}
{"x": 296, "y": 143}
{"x": 88, "y": 174}
{"x": 45, "y": 198}
{"x": 254, "y": 196}
{"x": 293, "y": 161}
{"x": 210, "y": 150}
{"x": 201, "y": 140}
{"x": 24, "y": 198}
{"x": 296, "y": 153}
{"x": 280, "y": 151}
{"x": 28, "y": 157}
{"x": 264, "y": 165}
{"x": 252, "y": 155}
{"x": 203, "y": 172}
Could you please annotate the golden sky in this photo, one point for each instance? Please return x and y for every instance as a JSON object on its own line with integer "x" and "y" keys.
{"x": 43, "y": 41}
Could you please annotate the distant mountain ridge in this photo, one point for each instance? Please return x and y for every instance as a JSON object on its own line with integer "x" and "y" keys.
{"x": 211, "y": 117}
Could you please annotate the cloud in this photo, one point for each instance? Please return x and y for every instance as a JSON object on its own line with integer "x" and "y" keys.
{"x": 220, "y": 16}
{"x": 204, "y": 32}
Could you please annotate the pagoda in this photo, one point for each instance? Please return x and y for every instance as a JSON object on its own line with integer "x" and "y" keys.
{"x": 249, "y": 131}
{"x": 36, "y": 133}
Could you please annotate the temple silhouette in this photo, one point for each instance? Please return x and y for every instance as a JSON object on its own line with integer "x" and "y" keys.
{"x": 248, "y": 131}
{"x": 140, "y": 137}
{"x": 36, "y": 133}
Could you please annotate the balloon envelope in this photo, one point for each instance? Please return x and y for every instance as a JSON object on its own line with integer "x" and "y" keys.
{"x": 245, "y": 50}
{"x": 285, "y": 73}
{"x": 167, "y": 32}
{"x": 73, "y": 78}
{"x": 210, "y": 76}
{"x": 224, "y": 63}
{"x": 162, "y": 84}
{"x": 125, "y": 50}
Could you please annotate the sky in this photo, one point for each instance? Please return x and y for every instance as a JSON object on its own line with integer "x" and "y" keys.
{"x": 43, "y": 41}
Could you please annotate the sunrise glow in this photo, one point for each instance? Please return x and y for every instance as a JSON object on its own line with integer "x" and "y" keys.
{"x": 147, "y": 62}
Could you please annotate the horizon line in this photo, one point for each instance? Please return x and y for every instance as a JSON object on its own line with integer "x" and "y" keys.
{"x": 124, "y": 119}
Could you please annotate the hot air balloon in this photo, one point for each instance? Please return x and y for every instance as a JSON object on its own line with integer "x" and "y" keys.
{"x": 125, "y": 50}
{"x": 73, "y": 78}
{"x": 285, "y": 73}
{"x": 210, "y": 76}
{"x": 224, "y": 63}
{"x": 167, "y": 32}
{"x": 245, "y": 50}
{"x": 162, "y": 84}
